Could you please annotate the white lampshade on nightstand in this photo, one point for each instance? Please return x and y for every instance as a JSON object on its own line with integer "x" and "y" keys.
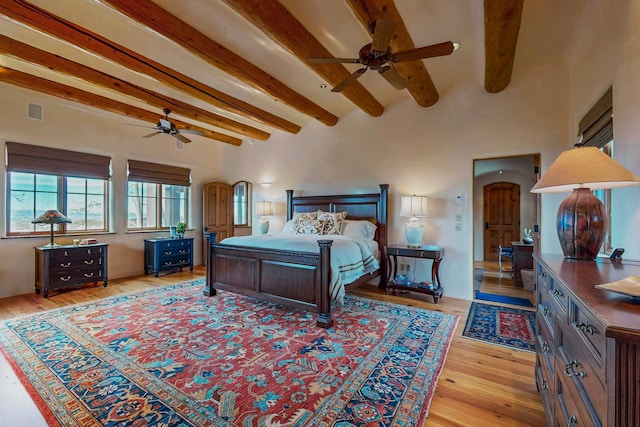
{"x": 414, "y": 207}
{"x": 264, "y": 209}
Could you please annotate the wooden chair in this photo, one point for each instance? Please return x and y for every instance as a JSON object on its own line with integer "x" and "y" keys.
{"x": 506, "y": 252}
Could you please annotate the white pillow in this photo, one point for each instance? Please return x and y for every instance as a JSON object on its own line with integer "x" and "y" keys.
{"x": 288, "y": 227}
{"x": 358, "y": 230}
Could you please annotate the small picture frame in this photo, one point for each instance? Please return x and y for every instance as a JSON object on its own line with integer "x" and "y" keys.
{"x": 616, "y": 255}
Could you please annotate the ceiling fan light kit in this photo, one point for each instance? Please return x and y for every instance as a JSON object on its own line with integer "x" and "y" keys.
{"x": 377, "y": 56}
{"x": 167, "y": 127}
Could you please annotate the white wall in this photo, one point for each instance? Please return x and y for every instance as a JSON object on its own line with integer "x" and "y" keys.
{"x": 606, "y": 55}
{"x": 79, "y": 128}
{"x": 427, "y": 151}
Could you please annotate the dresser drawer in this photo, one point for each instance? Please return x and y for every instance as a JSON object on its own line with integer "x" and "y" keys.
{"x": 590, "y": 332}
{"x": 175, "y": 244}
{"x": 546, "y": 313}
{"x": 575, "y": 365}
{"x": 77, "y": 252}
{"x": 545, "y": 349}
{"x": 570, "y": 409}
{"x": 557, "y": 293}
{"x": 76, "y": 277}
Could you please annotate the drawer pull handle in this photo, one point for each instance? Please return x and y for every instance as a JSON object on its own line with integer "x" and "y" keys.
{"x": 556, "y": 293}
{"x": 88, "y": 261}
{"x": 66, "y": 265}
{"x": 543, "y": 274}
{"x": 585, "y": 327}
{"x": 88, "y": 275}
{"x": 572, "y": 421}
{"x": 545, "y": 347}
{"x": 65, "y": 279}
{"x": 545, "y": 311}
{"x": 570, "y": 371}
{"x": 545, "y": 386}
{"x": 167, "y": 252}
{"x": 184, "y": 251}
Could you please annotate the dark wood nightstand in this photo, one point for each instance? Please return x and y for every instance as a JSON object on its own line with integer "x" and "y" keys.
{"x": 434, "y": 253}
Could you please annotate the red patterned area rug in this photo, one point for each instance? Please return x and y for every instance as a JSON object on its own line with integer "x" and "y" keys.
{"x": 510, "y": 327}
{"x": 173, "y": 357}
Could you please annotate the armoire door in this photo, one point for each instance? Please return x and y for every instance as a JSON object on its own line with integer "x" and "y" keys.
{"x": 218, "y": 212}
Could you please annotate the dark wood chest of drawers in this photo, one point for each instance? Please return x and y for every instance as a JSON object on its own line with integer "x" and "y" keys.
{"x": 588, "y": 343}
{"x": 66, "y": 266}
{"x": 167, "y": 254}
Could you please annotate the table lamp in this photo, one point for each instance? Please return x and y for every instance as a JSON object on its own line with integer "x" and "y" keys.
{"x": 51, "y": 217}
{"x": 263, "y": 209}
{"x": 582, "y": 221}
{"x": 414, "y": 207}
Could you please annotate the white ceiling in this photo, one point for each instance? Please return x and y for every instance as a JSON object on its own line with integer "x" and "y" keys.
{"x": 548, "y": 28}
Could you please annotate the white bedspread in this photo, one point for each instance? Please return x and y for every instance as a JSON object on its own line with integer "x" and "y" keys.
{"x": 350, "y": 259}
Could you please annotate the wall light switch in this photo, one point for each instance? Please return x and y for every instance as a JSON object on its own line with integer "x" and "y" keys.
{"x": 458, "y": 200}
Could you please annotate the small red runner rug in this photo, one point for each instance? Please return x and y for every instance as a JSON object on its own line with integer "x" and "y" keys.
{"x": 510, "y": 327}
{"x": 173, "y": 357}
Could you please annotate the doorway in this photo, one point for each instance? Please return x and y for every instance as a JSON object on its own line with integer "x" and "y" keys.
{"x": 502, "y": 207}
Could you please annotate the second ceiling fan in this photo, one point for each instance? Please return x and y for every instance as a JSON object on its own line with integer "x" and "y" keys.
{"x": 377, "y": 56}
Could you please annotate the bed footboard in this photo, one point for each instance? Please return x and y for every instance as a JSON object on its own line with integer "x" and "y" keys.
{"x": 297, "y": 279}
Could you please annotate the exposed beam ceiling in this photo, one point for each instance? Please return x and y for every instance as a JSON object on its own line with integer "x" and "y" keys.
{"x": 259, "y": 83}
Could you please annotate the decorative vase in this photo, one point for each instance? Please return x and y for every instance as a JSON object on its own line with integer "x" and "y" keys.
{"x": 527, "y": 240}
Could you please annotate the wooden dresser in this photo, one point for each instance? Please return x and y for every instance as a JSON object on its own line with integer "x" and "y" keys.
{"x": 167, "y": 254}
{"x": 67, "y": 266}
{"x": 588, "y": 343}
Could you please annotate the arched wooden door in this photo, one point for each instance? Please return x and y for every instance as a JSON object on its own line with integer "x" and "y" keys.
{"x": 501, "y": 217}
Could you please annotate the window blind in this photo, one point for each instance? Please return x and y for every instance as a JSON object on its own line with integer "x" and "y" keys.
{"x": 159, "y": 174}
{"x": 596, "y": 127}
{"x": 54, "y": 161}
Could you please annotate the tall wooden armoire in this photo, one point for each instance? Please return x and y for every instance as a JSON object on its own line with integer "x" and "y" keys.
{"x": 218, "y": 212}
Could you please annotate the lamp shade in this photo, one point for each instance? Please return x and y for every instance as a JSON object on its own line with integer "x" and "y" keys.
{"x": 582, "y": 221}
{"x": 52, "y": 217}
{"x": 264, "y": 208}
{"x": 584, "y": 167}
{"x": 413, "y": 206}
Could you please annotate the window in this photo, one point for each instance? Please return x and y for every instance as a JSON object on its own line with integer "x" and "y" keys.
{"x": 242, "y": 203}
{"x": 596, "y": 130}
{"x": 157, "y": 196}
{"x": 43, "y": 178}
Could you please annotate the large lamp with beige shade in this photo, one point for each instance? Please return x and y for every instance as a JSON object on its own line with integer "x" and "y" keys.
{"x": 264, "y": 209}
{"x": 582, "y": 221}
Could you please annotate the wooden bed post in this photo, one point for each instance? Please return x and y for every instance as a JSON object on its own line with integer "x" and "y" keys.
{"x": 289, "y": 204}
{"x": 209, "y": 290}
{"x": 324, "y": 298}
{"x": 382, "y": 236}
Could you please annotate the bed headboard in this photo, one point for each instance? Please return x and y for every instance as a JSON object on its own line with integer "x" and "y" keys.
{"x": 371, "y": 206}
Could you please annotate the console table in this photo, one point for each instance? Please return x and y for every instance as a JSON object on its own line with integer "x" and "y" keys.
{"x": 587, "y": 343}
{"x": 434, "y": 253}
{"x": 522, "y": 258}
{"x": 167, "y": 254}
{"x": 67, "y": 266}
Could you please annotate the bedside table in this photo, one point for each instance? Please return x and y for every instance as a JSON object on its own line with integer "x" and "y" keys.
{"x": 167, "y": 254}
{"x": 434, "y": 253}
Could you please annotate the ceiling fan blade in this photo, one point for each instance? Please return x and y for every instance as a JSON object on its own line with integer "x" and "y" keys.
{"x": 333, "y": 60}
{"x": 391, "y": 75}
{"x": 346, "y": 82}
{"x": 182, "y": 138}
{"x": 192, "y": 131}
{"x": 440, "y": 49}
{"x": 152, "y": 134}
{"x": 382, "y": 35}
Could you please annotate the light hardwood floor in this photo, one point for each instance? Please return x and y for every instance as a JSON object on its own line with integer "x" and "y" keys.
{"x": 480, "y": 385}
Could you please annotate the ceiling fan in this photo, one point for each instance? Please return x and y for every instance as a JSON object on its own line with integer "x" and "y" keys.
{"x": 377, "y": 56}
{"x": 167, "y": 127}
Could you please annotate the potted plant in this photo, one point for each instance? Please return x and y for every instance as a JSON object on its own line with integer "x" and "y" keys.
{"x": 181, "y": 227}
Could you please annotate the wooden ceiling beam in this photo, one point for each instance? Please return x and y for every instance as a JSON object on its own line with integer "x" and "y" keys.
{"x": 56, "y": 63}
{"x": 153, "y": 16}
{"x": 419, "y": 83}
{"x": 502, "y": 20}
{"x": 39, "y": 84}
{"x": 57, "y": 27}
{"x": 281, "y": 26}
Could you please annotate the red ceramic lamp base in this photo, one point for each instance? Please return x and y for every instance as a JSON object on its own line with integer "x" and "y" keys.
{"x": 582, "y": 225}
